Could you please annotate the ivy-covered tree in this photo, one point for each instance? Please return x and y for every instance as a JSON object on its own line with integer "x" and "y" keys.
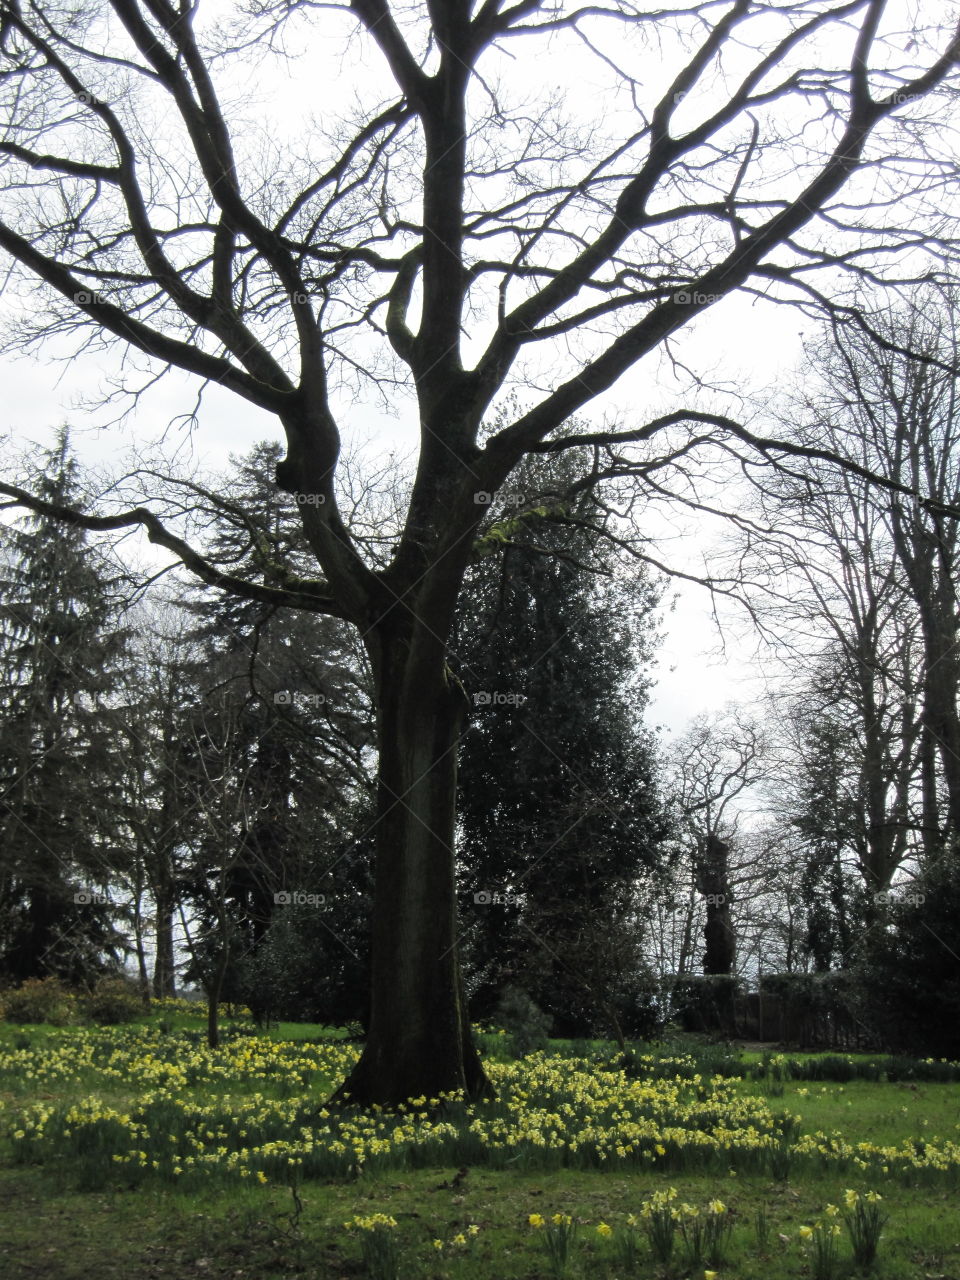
{"x": 63, "y": 649}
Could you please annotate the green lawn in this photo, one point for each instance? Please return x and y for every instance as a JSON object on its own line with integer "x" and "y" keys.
{"x": 240, "y": 1174}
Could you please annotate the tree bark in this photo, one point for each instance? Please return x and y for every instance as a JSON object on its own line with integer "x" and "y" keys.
{"x": 163, "y": 964}
{"x": 419, "y": 1042}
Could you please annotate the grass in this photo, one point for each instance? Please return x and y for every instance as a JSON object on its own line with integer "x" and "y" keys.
{"x": 70, "y": 1210}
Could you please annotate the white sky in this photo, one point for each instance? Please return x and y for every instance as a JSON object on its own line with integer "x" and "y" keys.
{"x": 693, "y": 675}
{"x": 740, "y": 342}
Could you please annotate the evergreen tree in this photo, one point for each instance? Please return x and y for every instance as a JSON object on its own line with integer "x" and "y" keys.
{"x": 62, "y": 650}
{"x": 560, "y": 816}
{"x": 284, "y": 719}
{"x": 829, "y": 815}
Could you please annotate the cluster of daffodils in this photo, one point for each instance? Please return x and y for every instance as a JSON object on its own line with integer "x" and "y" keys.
{"x": 701, "y": 1234}
{"x": 538, "y": 1221}
{"x": 156, "y": 1104}
{"x": 373, "y": 1222}
{"x": 144, "y": 1055}
{"x": 864, "y": 1220}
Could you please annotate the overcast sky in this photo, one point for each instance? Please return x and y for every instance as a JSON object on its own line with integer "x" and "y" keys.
{"x": 741, "y": 342}
{"x": 738, "y": 342}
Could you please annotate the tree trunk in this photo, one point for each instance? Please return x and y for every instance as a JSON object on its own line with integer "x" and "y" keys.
{"x": 143, "y": 975}
{"x": 932, "y": 834}
{"x": 712, "y": 881}
{"x": 940, "y": 715}
{"x": 163, "y": 964}
{"x": 419, "y": 1042}
{"x": 213, "y": 999}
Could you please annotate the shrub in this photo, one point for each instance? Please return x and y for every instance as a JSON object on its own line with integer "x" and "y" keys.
{"x": 814, "y": 1008}
{"x": 40, "y": 1000}
{"x": 111, "y": 1001}
{"x": 910, "y": 971}
{"x": 706, "y": 1002}
{"x": 526, "y": 1024}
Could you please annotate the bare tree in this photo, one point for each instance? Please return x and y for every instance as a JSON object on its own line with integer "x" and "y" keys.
{"x": 716, "y": 763}
{"x": 444, "y": 240}
{"x": 870, "y": 573}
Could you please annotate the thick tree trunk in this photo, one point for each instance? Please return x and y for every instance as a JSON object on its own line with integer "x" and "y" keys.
{"x": 712, "y": 881}
{"x": 419, "y": 1042}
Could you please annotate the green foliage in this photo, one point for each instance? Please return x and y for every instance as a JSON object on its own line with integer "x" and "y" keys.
{"x": 310, "y": 965}
{"x": 526, "y": 1024}
{"x": 704, "y": 1002}
{"x": 40, "y": 1000}
{"x": 112, "y": 1000}
{"x": 63, "y": 649}
{"x": 910, "y": 966}
{"x": 865, "y": 1221}
{"x": 560, "y": 815}
{"x": 283, "y": 720}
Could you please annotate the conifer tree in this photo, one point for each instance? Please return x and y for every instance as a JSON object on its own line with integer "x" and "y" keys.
{"x": 62, "y": 648}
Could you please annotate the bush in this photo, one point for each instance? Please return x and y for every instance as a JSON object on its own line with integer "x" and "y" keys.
{"x": 816, "y": 1008}
{"x": 706, "y": 1002}
{"x": 111, "y": 1001}
{"x": 40, "y": 1000}
{"x": 526, "y": 1024}
{"x": 910, "y": 966}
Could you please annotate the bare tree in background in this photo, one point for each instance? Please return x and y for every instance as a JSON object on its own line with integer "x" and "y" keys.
{"x": 872, "y": 572}
{"x": 716, "y": 763}
{"x": 440, "y": 241}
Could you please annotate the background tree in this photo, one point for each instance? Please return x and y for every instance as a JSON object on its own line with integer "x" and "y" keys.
{"x": 561, "y": 821}
{"x": 395, "y": 245}
{"x": 63, "y": 650}
{"x": 159, "y": 700}
{"x": 867, "y": 574}
{"x": 287, "y": 694}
